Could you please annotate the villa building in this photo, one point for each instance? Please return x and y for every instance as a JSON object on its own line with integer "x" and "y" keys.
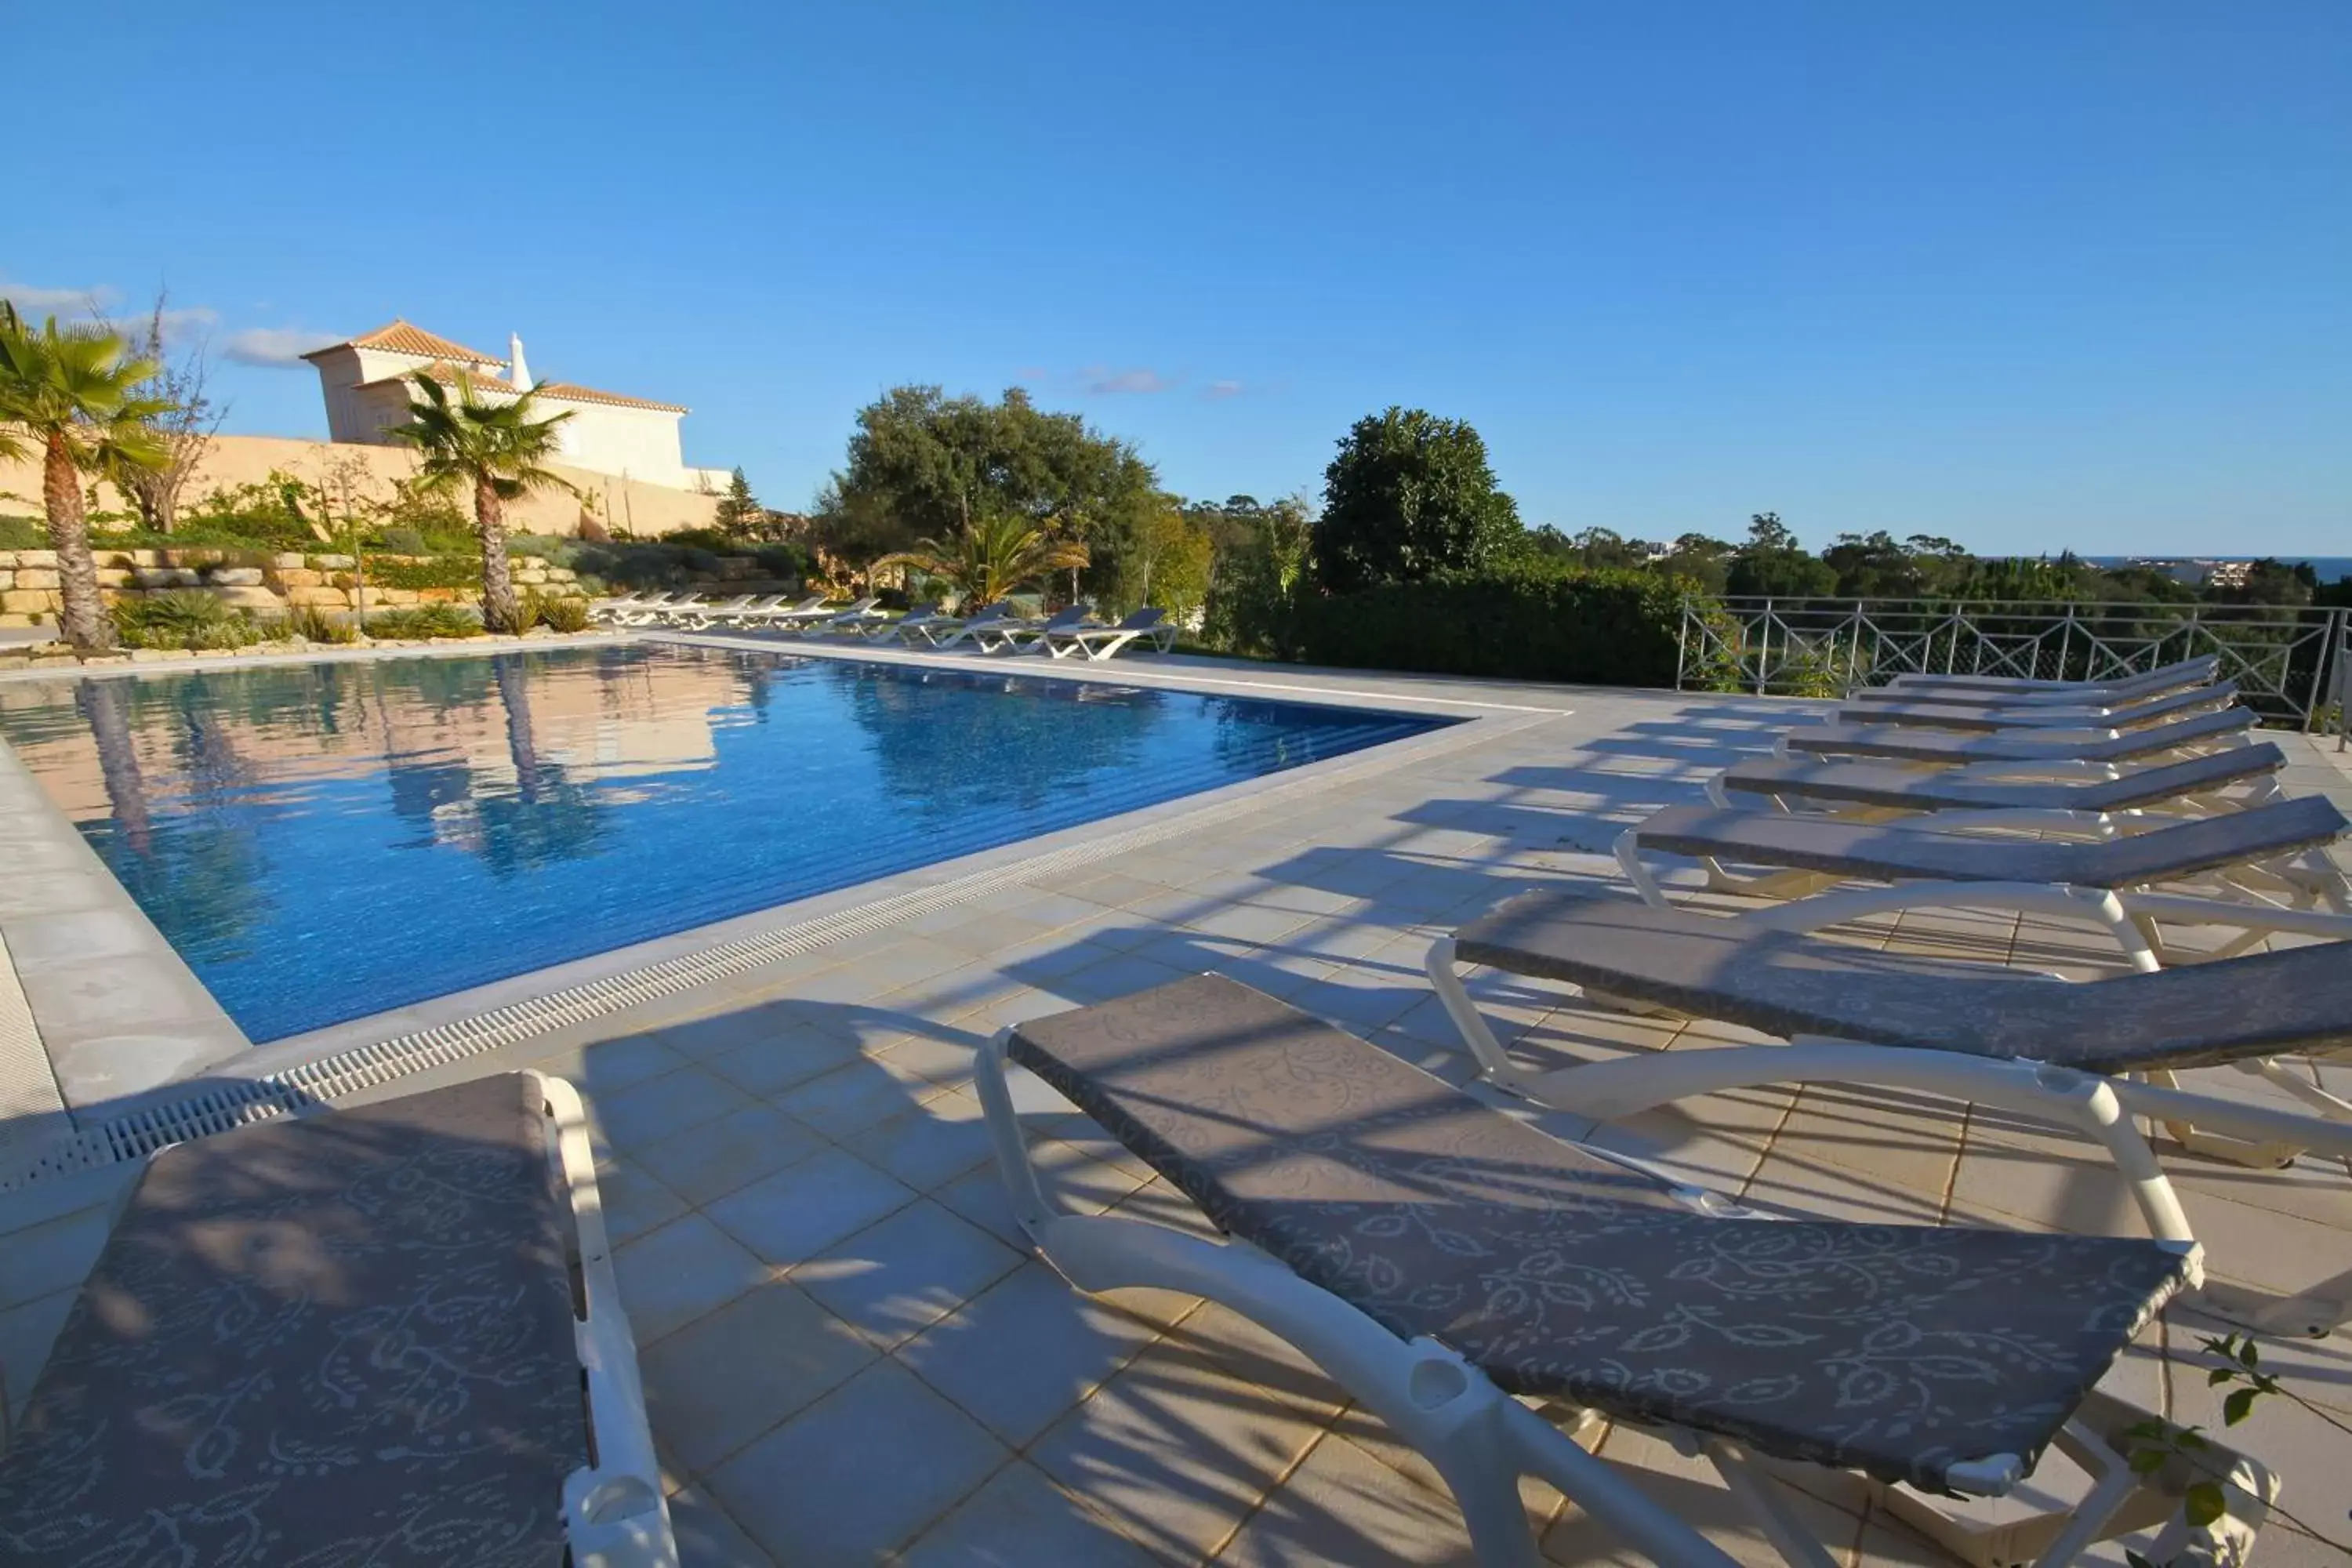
{"x": 365, "y": 381}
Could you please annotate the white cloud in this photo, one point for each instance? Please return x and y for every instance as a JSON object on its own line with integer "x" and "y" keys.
{"x": 1102, "y": 382}
{"x": 36, "y": 301}
{"x": 280, "y": 348}
{"x": 1218, "y": 391}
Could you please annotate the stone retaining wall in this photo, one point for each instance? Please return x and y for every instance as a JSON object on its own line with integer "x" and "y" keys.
{"x": 265, "y": 583}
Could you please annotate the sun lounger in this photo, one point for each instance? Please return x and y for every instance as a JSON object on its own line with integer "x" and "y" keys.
{"x": 697, "y": 616}
{"x": 2275, "y": 850}
{"x": 1853, "y": 1014}
{"x": 743, "y": 614}
{"x": 2002, "y": 688}
{"x": 650, "y": 613}
{"x": 1013, "y": 636}
{"x": 2134, "y": 715}
{"x": 947, "y": 631}
{"x": 916, "y": 619}
{"x": 1436, "y": 1256}
{"x": 627, "y": 604}
{"x": 855, "y": 619}
{"x": 812, "y": 608}
{"x": 1884, "y": 786}
{"x": 356, "y": 1337}
{"x": 2076, "y": 750}
{"x": 1096, "y": 643}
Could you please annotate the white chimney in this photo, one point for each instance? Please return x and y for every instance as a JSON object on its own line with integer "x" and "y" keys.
{"x": 518, "y": 372}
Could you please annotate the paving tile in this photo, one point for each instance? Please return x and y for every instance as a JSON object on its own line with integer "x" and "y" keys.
{"x": 947, "y": 1061}
{"x": 707, "y": 1538}
{"x": 604, "y": 1067}
{"x": 793, "y": 1216}
{"x": 54, "y": 1255}
{"x": 713, "y": 1159}
{"x": 635, "y": 1201}
{"x": 848, "y": 1098}
{"x": 673, "y": 1275}
{"x": 1175, "y": 1449}
{"x": 726, "y": 1378}
{"x": 1020, "y": 1354}
{"x": 929, "y": 1144}
{"x": 1341, "y": 1505}
{"x": 1018, "y": 1518}
{"x": 1691, "y": 1490}
{"x": 655, "y": 1109}
{"x": 904, "y": 1273}
{"x": 858, "y": 1474}
{"x": 28, "y": 1329}
{"x": 769, "y": 1066}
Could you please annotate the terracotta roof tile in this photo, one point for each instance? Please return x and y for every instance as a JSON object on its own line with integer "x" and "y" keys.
{"x": 398, "y": 337}
{"x": 572, "y": 393}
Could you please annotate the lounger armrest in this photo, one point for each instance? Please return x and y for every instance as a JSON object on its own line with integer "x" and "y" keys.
{"x": 615, "y": 1512}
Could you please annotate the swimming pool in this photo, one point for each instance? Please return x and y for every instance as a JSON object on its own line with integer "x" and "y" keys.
{"x": 328, "y": 840}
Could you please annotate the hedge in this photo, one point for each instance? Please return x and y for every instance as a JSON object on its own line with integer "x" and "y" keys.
{"x": 1529, "y": 621}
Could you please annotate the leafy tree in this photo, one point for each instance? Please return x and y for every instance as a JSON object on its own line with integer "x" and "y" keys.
{"x": 923, "y": 465}
{"x": 1410, "y": 495}
{"x": 738, "y": 513}
{"x": 1166, "y": 561}
{"x": 501, "y": 449}
{"x": 2268, "y": 581}
{"x": 1773, "y": 564}
{"x": 1258, "y": 567}
{"x": 73, "y": 393}
{"x": 1701, "y": 560}
{"x": 993, "y": 555}
{"x": 184, "y": 430}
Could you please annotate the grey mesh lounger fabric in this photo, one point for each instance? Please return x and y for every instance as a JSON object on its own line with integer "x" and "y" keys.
{"x": 1933, "y": 746}
{"x": 2012, "y": 688}
{"x": 1900, "y": 788}
{"x": 1929, "y": 713}
{"x": 1559, "y": 1273}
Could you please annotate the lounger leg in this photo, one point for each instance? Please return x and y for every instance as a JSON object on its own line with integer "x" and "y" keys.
{"x": 1493, "y": 1063}
{"x": 1628, "y": 851}
{"x": 1761, "y": 1495}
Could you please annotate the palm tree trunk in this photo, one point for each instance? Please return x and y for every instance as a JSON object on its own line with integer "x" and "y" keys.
{"x": 501, "y": 612}
{"x": 83, "y": 618}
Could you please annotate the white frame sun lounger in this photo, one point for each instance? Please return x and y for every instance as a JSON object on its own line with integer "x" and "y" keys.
{"x": 2196, "y": 782}
{"x": 291, "y": 1315}
{"x": 618, "y": 609}
{"x": 947, "y": 631}
{"x": 743, "y": 614}
{"x": 2083, "y": 751}
{"x": 1011, "y": 636}
{"x": 856, "y": 619}
{"x": 1968, "y": 1031}
{"x": 919, "y": 616}
{"x": 2000, "y": 690}
{"x": 2273, "y": 851}
{"x": 695, "y": 617}
{"x": 1929, "y": 712}
{"x": 814, "y": 606}
{"x": 1097, "y": 643}
{"x": 665, "y": 613}
{"x": 1435, "y": 1256}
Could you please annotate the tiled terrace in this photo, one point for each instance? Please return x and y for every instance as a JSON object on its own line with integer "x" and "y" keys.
{"x": 850, "y": 1358}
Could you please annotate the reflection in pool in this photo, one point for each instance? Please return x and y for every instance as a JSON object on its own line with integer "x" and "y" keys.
{"x": 325, "y": 841}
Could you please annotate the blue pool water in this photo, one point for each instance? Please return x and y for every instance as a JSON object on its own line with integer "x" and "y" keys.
{"x": 325, "y": 841}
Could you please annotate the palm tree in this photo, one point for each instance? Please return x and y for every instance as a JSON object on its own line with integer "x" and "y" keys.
{"x": 501, "y": 450}
{"x": 72, "y": 391}
{"x": 995, "y": 553}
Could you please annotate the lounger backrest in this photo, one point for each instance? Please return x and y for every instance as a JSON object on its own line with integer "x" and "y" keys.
{"x": 1143, "y": 620}
{"x": 1866, "y": 783}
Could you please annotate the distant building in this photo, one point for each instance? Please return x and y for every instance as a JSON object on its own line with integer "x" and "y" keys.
{"x": 367, "y": 388}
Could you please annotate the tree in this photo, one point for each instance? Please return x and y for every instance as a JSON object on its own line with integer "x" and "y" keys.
{"x": 1260, "y": 564}
{"x": 924, "y": 466}
{"x": 990, "y": 557}
{"x": 1166, "y": 561}
{"x": 1410, "y": 495}
{"x": 74, "y": 393}
{"x": 184, "y": 429}
{"x": 1773, "y": 565}
{"x": 738, "y": 513}
{"x": 501, "y": 450}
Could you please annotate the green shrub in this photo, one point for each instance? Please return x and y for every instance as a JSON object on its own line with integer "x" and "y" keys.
{"x": 566, "y": 614}
{"x": 1529, "y": 620}
{"x": 542, "y": 546}
{"x": 183, "y": 619}
{"x": 424, "y": 621}
{"x": 433, "y": 571}
{"x": 398, "y": 540}
{"x": 308, "y": 621}
{"x": 24, "y": 533}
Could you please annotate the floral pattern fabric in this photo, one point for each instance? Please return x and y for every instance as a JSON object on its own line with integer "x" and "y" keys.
{"x": 338, "y": 1341}
{"x": 1895, "y": 1350}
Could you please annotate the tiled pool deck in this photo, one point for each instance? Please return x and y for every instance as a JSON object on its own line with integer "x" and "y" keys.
{"x": 850, "y": 1359}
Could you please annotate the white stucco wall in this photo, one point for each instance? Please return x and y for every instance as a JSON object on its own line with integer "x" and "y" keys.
{"x": 641, "y": 443}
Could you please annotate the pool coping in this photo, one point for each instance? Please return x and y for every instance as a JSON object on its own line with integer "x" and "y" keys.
{"x": 245, "y": 1078}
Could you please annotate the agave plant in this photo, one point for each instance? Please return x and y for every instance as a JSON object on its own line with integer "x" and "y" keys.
{"x": 994, "y": 555}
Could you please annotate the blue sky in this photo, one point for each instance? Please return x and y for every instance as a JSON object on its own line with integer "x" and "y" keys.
{"x": 2031, "y": 276}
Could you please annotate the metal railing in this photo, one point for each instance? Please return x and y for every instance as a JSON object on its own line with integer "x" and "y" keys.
{"x": 2290, "y": 663}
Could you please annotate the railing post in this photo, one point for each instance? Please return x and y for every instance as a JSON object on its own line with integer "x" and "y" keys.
{"x": 1764, "y": 651}
{"x": 2066, "y": 644}
{"x": 1681, "y": 644}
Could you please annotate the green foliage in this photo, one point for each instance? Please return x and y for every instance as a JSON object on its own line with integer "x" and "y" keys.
{"x": 990, "y": 557}
{"x": 501, "y": 450}
{"x": 431, "y": 572}
{"x": 922, "y": 465}
{"x": 712, "y": 540}
{"x": 1409, "y": 497}
{"x": 738, "y": 512}
{"x": 309, "y": 622}
{"x": 1164, "y": 560}
{"x": 1526, "y": 620}
{"x": 424, "y": 621}
{"x": 23, "y": 534}
{"x": 1771, "y": 564}
{"x": 555, "y": 551}
{"x": 567, "y": 614}
{"x": 183, "y": 619}
{"x": 402, "y": 541}
{"x": 1259, "y": 570}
